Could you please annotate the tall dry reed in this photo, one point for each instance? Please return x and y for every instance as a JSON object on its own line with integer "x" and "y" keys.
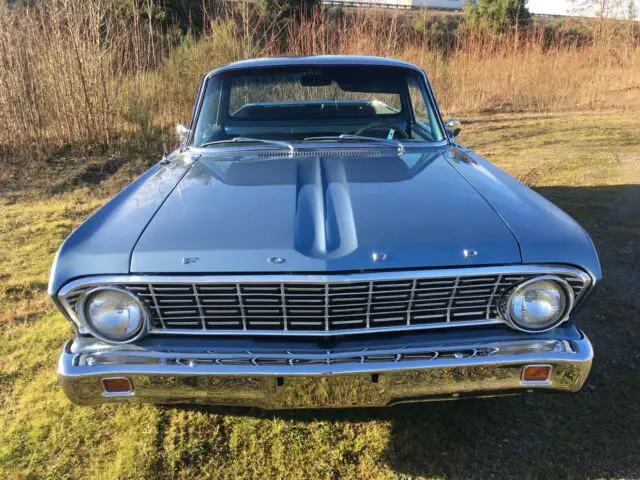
{"x": 62, "y": 68}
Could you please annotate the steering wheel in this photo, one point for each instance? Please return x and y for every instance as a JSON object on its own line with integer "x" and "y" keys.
{"x": 391, "y": 126}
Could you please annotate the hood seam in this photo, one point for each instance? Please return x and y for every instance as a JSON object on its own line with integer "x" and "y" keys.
{"x": 460, "y": 152}
{"x": 144, "y": 228}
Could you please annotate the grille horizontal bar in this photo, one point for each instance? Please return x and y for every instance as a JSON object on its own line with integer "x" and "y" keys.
{"x": 270, "y": 305}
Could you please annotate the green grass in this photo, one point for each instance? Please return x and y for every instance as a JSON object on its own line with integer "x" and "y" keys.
{"x": 588, "y": 163}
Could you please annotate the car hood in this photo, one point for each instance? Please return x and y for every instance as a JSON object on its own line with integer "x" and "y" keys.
{"x": 322, "y": 211}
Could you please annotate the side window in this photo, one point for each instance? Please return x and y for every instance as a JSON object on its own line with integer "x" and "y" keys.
{"x": 424, "y": 116}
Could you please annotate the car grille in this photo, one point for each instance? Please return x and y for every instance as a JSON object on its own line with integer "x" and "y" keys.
{"x": 328, "y": 306}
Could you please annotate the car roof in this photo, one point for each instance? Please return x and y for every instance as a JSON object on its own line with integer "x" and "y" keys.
{"x": 314, "y": 60}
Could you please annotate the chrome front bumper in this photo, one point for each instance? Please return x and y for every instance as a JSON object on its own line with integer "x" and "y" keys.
{"x": 315, "y": 378}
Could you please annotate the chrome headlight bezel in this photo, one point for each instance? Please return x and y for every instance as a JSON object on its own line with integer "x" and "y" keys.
{"x": 86, "y": 322}
{"x": 504, "y": 303}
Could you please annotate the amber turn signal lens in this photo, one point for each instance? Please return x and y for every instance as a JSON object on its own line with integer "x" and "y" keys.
{"x": 536, "y": 373}
{"x": 117, "y": 385}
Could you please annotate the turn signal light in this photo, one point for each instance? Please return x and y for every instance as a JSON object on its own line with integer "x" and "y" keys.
{"x": 117, "y": 385}
{"x": 536, "y": 373}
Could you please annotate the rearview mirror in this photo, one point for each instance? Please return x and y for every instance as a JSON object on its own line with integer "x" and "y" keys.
{"x": 318, "y": 80}
{"x": 182, "y": 132}
{"x": 453, "y": 126}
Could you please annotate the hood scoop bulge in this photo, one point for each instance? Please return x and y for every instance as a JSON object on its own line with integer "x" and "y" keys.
{"x": 324, "y": 225}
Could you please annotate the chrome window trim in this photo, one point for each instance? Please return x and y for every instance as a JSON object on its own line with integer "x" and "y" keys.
{"x": 278, "y": 278}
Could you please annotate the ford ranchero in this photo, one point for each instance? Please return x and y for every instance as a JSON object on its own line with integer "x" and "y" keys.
{"x": 320, "y": 239}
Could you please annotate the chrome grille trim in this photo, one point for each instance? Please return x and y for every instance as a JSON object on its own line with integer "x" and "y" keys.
{"x": 492, "y": 299}
{"x": 301, "y": 358}
{"x": 196, "y": 296}
{"x": 157, "y": 309}
{"x": 323, "y": 305}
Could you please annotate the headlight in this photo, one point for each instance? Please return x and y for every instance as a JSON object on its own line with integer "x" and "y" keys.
{"x": 113, "y": 314}
{"x": 537, "y": 304}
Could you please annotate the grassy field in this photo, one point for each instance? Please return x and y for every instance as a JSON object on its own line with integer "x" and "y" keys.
{"x": 588, "y": 163}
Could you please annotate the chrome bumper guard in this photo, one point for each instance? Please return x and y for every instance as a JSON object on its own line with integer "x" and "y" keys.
{"x": 319, "y": 378}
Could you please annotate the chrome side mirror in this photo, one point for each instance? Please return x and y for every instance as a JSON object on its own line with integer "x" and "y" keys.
{"x": 453, "y": 126}
{"x": 183, "y": 133}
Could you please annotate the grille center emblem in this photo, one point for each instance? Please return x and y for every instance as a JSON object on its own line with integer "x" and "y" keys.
{"x": 276, "y": 260}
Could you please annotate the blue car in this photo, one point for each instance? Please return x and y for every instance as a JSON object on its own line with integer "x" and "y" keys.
{"x": 320, "y": 239}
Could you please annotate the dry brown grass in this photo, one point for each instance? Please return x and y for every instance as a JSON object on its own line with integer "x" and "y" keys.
{"x": 61, "y": 71}
{"x": 93, "y": 74}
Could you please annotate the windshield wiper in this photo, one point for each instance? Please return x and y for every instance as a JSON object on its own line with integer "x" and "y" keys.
{"x": 286, "y": 145}
{"x": 346, "y": 137}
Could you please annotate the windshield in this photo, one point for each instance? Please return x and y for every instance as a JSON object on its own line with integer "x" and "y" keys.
{"x": 296, "y": 104}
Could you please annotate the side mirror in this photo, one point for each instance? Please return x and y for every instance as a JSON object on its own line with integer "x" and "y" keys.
{"x": 183, "y": 133}
{"x": 453, "y": 126}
